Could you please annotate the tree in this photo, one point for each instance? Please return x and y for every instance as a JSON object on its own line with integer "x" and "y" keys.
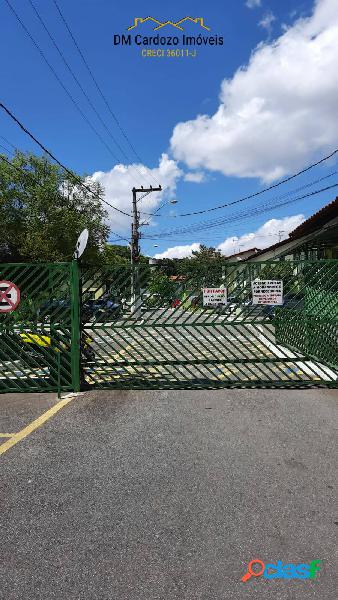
{"x": 205, "y": 254}
{"x": 161, "y": 289}
{"x": 203, "y": 268}
{"x": 119, "y": 255}
{"x": 116, "y": 255}
{"x": 43, "y": 209}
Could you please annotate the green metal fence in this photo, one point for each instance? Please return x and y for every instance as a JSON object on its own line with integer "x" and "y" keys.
{"x": 150, "y": 328}
{"x": 39, "y": 340}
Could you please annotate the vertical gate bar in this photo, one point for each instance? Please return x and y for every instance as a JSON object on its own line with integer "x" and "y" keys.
{"x": 59, "y": 372}
{"x": 75, "y": 320}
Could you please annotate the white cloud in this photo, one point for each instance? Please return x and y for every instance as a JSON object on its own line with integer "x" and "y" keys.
{"x": 253, "y": 3}
{"x": 178, "y": 251}
{"x": 278, "y": 112}
{"x": 119, "y": 181}
{"x": 268, "y": 234}
{"x": 267, "y": 20}
{"x": 195, "y": 177}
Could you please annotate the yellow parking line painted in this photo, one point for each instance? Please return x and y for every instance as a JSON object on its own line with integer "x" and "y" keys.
{"x": 17, "y": 437}
{"x": 6, "y": 435}
{"x": 122, "y": 352}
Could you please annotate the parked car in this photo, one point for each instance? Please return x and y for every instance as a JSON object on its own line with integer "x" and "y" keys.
{"x": 38, "y": 350}
{"x": 102, "y": 309}
{"x": 53, "y": 308}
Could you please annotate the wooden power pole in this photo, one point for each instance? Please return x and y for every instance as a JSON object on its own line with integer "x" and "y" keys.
{"x": 135, "y": 247}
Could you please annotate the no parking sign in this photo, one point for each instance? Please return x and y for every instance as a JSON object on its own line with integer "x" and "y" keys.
{"x": 9, "y": 296}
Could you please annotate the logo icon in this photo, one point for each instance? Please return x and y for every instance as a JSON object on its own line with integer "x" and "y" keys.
{"x": 177, "y": 24}
{"x": 280, "y": 571}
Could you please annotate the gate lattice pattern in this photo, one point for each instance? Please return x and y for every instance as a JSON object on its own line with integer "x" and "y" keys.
{"x": 36, "y": 338}
{"x": 149, "y": 329}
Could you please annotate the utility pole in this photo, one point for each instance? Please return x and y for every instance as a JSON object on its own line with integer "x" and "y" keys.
{"x": 135, "y": 247}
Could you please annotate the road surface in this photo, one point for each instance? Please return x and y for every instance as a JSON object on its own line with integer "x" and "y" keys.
{"x": 165, "y": 495}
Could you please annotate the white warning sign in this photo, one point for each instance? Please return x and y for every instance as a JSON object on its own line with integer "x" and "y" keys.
{"x": 267, "y": 291}
{"x": 214, "y": 296}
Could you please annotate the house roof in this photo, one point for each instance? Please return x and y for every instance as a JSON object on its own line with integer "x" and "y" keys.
{"x": 177, "y": 277}
{"x": 251, "y": 250}
{"x": 274, "y": 247}
{"x": 313, "y": 223}
{"x": 317, "y": 220}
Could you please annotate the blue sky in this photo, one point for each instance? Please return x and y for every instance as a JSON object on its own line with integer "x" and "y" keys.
{"x": 272, "y": 119}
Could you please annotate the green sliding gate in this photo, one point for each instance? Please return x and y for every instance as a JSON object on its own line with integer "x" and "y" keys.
{"x": 150, "y": 328}
{"x": 39, "y": 340}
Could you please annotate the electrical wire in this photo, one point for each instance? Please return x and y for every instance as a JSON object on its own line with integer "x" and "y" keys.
{"x": 8, "y": 142}
{"x": 271, "y": 200}
{"x": 325, "y": 158}
{"x": 78, "y": 108}
{"x": 73, "y": 175}
{"x": 214, "y": 238}
{"x": 270, "y": 205}
{"x": 103, "y": 123}
{"x": 118, "y": 239}
{"x": 99, "y": 88}
{"x": 6, "y": 149}
{"x": 238, "y": 217}
{"x": 28, "y": 174}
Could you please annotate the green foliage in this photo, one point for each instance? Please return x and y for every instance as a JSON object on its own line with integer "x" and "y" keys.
{"x": 284, "y": 271}
{"x": 160, "y": 288}
{"x": 43, "y": 210}
{"x": 116, "y": 255}
{"x": 206, "y": 254}
{"x": 119, "y": 255}
{"x": 206, "y": 260}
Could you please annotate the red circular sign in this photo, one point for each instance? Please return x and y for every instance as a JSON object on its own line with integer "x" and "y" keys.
{"x": 9, "y": 296}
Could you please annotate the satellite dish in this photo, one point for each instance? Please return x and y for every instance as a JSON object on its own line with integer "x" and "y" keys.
{"x": 81, "y": 243}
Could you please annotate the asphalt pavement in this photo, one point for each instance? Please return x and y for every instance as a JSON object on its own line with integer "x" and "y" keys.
{"x": 163, "y": 495}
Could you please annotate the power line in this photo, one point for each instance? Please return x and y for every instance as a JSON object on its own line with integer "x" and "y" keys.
{"x": 119, "y": 237}
{"x": 8, "y": 142}
{"x": 214, "y": 238}
{"x": 221, "y": 220}
{"x": 256, "y": 193}
{"x": 73, "y": 175}
{"x": 5, "y": 149}
{"x": 239, "y": 216}
{"x": 99, "y": 88}
{"x": 104, "y": 124}
{"x": 28, "y": 174}
{"x": 61, "y": 83}
{"x": 198, "y": 212}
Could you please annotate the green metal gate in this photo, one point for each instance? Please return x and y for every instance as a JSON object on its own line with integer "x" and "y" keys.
{"x": 149, "y": 328}
{"x": 39, "y": 340}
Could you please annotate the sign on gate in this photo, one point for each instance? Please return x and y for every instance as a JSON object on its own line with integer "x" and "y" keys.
{"x": 267, "y": 291}
{"x": 9, "y": 296}
{"x": 216, "y": 339}
{"x": 214, "y": 296}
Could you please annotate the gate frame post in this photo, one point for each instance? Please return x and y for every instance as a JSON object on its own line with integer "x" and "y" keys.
{"x": 75, "y": 321}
